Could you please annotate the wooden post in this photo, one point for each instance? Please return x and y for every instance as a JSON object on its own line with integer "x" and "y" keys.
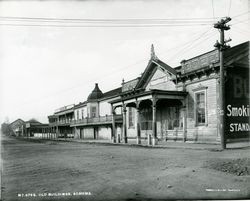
{"x": 113, "y": 126}
{"x": 184, "y": 121}
{"x": 125, "y": 124}
{"x": 222, "y": 26}
{"x": 57, "y": 132}
{"x": 138, "y": 123}
{"x": 154, "y": 129}
{"x": 149, "y": 140}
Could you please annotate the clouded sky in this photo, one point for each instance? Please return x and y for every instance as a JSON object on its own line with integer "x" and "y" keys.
{"x": 43, "y": 68}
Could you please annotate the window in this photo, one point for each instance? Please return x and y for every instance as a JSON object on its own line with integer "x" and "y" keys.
{"x": 200, "y": 112}
{"x": 131, "y": 117}
{"x": 82, "y": 114}
{"x": 77, "y": 114}
{"x": 93, "y": 111}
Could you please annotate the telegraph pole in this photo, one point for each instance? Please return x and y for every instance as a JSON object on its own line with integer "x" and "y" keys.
{"x": 221, "y": 46}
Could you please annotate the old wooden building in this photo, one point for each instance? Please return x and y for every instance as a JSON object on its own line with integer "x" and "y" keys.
{"x": 18, "y": 127}
{"x": 29, "y": 128}
{"x": 166, "y": 103}
{"x": 35, "y": 128}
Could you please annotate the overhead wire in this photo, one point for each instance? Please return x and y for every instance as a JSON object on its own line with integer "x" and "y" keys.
{"x": 242, "y": 33}
{"x": 112, "y": 72}
{"x": 121, "y": 20}
{"x": 213, "y": 9}
{"x": 100, "y": 26}
{"x": 117, "y": 20}
{"x": 241, "y": 14}
{"x": 91, "y": 22}
{"x": 191, "y": 44}
{"x": 102, "y": 23}
{"x": 240, "y": 21}
{"x": 229, "y": 7}
{"x": 103, "y": 19}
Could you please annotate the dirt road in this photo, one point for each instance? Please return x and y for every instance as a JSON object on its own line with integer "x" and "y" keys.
{"x": 48, "y": 169}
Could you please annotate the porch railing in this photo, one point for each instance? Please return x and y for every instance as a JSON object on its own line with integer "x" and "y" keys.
{"x": 61, "y": 122}
{"x": 97, "y": 120}
{"x": 146, "y": 125}
{"x": 170, "y": 124}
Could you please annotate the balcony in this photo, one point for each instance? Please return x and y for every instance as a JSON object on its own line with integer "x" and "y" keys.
{"x": 64, "y": 122}
{"x": 101, "y": 120}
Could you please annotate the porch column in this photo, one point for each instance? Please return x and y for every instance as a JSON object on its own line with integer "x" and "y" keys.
{"x": 113, "y": 127}
{"x": 124, "y": 121}
{"x": 57, "y": 129}
{"x": 154, "y": 129}
{"x": 138, "y": 123}
{"x": 184, "y": 121}
{"x": 57, "y": 132}
{"x": 75, "y": 133}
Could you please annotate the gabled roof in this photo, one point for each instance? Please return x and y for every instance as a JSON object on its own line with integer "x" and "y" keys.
{"x": 112, "y": 92}
{"x": 150, "y": 69}
{"x": 165, "y": 66}
{"x": 18, "y": 120}
{"x": 237, "y": 53}
{"x": 81, "y": 104}
{"x": 33, "y": 121}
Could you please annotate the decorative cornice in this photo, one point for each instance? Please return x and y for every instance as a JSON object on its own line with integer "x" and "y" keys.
{"x": 200, "y": 87}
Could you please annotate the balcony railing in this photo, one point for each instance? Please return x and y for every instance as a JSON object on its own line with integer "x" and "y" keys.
{"x": 63, "y": 122}
{"x": 97, "y": 120}
{"x": 89, "y": 121}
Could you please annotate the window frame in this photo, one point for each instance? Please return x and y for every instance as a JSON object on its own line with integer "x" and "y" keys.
{"x": 82, "y": 113}
{"x": 200, "y": 91}
{"x": 77, "y": 114}
{"x": 91, "y": 111}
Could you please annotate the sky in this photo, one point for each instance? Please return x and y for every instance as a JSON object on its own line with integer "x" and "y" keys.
{"x": 43, "y": 68}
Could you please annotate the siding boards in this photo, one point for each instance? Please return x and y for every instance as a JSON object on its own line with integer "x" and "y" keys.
{"x": 207, "y": 132}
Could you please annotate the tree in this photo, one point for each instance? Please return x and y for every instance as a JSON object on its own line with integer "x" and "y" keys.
{"x": 6, "y": 129}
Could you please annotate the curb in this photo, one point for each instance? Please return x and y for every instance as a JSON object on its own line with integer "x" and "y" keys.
{"x": 138, "y": 145}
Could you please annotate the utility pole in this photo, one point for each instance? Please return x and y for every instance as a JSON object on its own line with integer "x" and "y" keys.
{"x": 221, "y": 46}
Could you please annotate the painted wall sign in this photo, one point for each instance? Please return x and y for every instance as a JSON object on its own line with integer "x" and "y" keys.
{"x": 242, "y": 111}
{"x": 27, "y": 125}
{"x": 237, "y": 103}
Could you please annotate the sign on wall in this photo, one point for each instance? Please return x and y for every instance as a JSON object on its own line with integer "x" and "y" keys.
{"x": 237, "y": 103}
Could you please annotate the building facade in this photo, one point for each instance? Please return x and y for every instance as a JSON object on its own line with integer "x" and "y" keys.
{"x": 166, "y": 103}
{"x": 31, "y": 128}
{"x": 34, "y": 128}
{"x": 18, "y": 127}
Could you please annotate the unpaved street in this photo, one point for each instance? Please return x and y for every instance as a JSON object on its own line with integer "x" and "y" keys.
{"x": 46, "y": 168}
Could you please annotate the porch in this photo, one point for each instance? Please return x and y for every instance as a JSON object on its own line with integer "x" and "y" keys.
{"x": 96, "y": 128}
{"x": 150, "y": 117}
